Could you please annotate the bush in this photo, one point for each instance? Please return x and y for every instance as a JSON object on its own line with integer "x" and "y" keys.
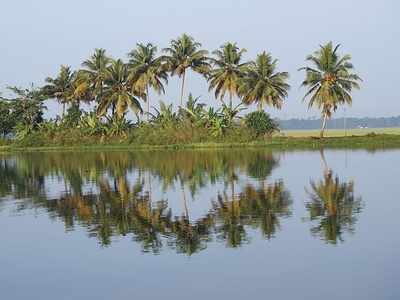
{"x": 73, "y": 116}
{"x": 260, "y": 123}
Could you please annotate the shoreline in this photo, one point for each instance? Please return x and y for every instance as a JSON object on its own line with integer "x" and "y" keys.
{"x": 379, "y": 141}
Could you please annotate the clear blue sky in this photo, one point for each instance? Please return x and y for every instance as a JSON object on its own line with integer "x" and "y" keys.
{"x": 37, "y": 36}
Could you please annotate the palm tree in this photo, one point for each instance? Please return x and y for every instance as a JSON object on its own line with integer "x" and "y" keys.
{"x": 262, "y": 84}
{"x": 147, "y": 70}
{"x": 96, "y": 70}
{"x": 330, "y": 81}
{"x": 81, "y": 88}
{"x": 60, "y": 87}
{"x": 184, "y": 54}
{"x": 227, "y": 71}
{"x": 117, "y": 91}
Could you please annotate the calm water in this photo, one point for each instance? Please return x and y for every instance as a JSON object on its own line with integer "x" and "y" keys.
{"x": 200, "y": 225}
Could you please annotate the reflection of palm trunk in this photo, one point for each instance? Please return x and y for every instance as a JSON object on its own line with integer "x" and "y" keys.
{"x": 326, "y": 168}
{"x": 185, "y": 203}
{"x": 233, "y": 190}
{"x": 149, "y": 186}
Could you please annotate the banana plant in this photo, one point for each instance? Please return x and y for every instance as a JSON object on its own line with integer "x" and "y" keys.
{"x": 231, "y": 112}
{"x": 164, "y": 116}
{"x": 118, "y": 126}
{"x": 92, "y": 125}
{"x": 193, "y": 110}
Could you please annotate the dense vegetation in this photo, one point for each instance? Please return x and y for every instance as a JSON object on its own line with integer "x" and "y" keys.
{"x": 115, "y": 87}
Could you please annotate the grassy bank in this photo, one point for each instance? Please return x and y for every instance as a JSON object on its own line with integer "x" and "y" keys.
{"x": 371, "y": 141}
{"x": 340, "y": 132}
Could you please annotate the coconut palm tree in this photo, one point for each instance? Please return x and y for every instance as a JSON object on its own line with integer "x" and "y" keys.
{"x": 60, "y": 87}
{"x": 330, "y": 81}
{"x": 95, "y": 72}
{"x": 228, "y": 70}
{"x": 184, "y": 53}
{"x": 117, "y": 91}
{"x": 147, "y": 70}
{"x": 262, "y": 84}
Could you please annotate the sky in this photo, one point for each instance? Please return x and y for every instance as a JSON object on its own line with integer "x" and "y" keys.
{"x": 37, "y": 36}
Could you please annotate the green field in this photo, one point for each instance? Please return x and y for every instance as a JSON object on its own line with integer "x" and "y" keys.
{"x": 339, "y": 132}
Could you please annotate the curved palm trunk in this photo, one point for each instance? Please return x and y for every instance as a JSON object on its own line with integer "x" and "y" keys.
{"x": 183, "y": 86}
{"x": 324, "y": 125}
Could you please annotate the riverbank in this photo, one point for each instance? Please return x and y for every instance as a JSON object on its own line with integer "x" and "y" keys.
{"x": 371, "y": 141}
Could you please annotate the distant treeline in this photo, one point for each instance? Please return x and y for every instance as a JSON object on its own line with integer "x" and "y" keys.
{"x": 339, "y": 123}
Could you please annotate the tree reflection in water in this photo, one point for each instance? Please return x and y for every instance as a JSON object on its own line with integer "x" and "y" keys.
{"x": 332, "y": 206}
{"x": 120, "y": 204}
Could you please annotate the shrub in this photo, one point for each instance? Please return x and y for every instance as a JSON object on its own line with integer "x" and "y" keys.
{"x": 260, "y": 123}
{"x": 73, "y": 116}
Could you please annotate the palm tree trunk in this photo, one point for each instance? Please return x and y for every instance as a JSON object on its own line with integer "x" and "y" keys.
{"x": 183, "y": 86}
{"x": 148, "y": 102}
{"x": 323, "y": 125}
{"x": 63, "y": 109}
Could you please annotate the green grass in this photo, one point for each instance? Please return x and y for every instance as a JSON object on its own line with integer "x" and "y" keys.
{"x": 340, "y": 132}
{"x": 369, "y": 142}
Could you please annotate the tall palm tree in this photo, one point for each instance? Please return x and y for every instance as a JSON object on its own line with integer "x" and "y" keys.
{"x": 228, "y": 70}
{"x": 330, "y": 80}
{"x": 117, "y": 91}
{"x": 262, "y": 84}
{"x": 96, "y": 71}
{"x": 184, "y": 53}
{"x": 60, "y": 87}
{"x": 147, "y": 70}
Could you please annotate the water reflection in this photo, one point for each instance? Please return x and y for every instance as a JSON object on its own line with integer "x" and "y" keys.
{"x": 332, "y": 206}
{"x": 112, "y": 194}
{"x": 180, "y": 200}
{"x": 257, "y": 207}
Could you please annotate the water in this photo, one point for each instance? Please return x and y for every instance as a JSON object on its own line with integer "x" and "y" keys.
{"x": 200, "y": 224}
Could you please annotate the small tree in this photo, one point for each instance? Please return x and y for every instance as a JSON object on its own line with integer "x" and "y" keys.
{"x": 261, "y": 123}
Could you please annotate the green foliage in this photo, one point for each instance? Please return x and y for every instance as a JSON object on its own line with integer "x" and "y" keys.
{"x": 117, "y": 92}
{"x": 261, "y": 123}
{"x": 91, "y": 125}
{"x": 165, "y": 116}
{"x": 6, "y": 121}
{"x": 183, "y": 54}
{"x": 27, "y": 106}
{"x": 146, "y": 71}
{"x": 72, "y": 117}
{"x": 115, "y": 87}
{"x": 262, "y": 84}
{"x": 118, "y": 127}
{"x": 228, "y": 70}
{"x": 330, "y": 81}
